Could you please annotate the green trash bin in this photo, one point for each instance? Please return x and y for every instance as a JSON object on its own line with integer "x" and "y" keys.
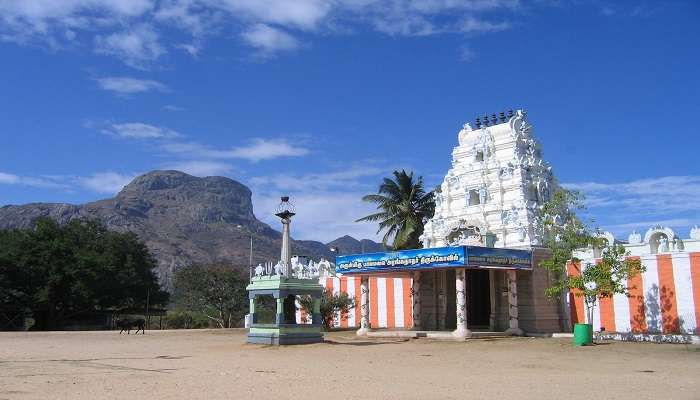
{"x": 583, "y": 334}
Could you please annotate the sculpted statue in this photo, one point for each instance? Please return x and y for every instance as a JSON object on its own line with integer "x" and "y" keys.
{"x": 259, "y": 270}
{"x": 634, "y": 238}
{"x": 521, "y": 233}
{"x": 507, "y": 171}
{"x": 663, "y": 244}
{"x": 278, "y": 268}
{"x": 695, "y": 233}
{"x": 482, "y": 194}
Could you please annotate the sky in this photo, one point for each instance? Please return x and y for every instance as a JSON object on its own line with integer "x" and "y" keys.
{"x": 320, "y": 99}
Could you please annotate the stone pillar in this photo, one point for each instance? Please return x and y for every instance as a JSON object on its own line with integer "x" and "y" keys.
{"x": 513, "y": 328}
{"x": 316, "y": 318}
{"x": 462, "y": 332}
{"x": 415, "y": 294}
{"x": 493, "y": 290}
{"x": 279, "y": 319}
{"x": 364, "y": 306}
{"x": 441, "y": 292}
{"x": 253, "y": 318}
{"x": 286, "y": 256}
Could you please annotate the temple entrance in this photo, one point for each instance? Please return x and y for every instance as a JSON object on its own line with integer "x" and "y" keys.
{"x": 478, "y": 299}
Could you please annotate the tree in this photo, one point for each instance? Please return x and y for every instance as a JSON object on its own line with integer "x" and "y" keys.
{"x": 564, "y": 234}
{"x": 331, "y": 305}
{"x": 605, "y": 278}
{"x": 405, "y": 206}
{"x": 56, "y": 271}
{"x": 217, "y": 291}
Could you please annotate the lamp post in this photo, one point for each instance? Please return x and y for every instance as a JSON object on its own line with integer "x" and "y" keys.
{"x": 285, "y": 289}
{"x": 285, "y": 211}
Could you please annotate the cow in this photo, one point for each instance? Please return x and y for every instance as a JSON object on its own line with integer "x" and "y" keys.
{"x": 127, "y": 324}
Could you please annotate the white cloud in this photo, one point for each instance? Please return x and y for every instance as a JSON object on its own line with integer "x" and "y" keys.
{"x": 263, "y": 149}
{"x": 137, "y": 47}
{"x": 348, "y": 178}
{"x": 430, "y": 17}
{"x": 101, "y": 182}
{"x": 128, "y": 29}
{"x": 126, "y": 85}
{"x": 269, "y": 40}
{"x": 25, "y": 19}
{"x": 654, "y": 195}
{"x": 139, "y": 130}
{"x": 257, "y": 150}
{"x": 642, "y": 203}
{"x": 607, "y": 11}
{"x": 322, "y": 216}
{"x": 170, "y": 107}
{"x": 467, "y": 55}
{"x": 643, "y": 225}
{"x": 105, "y": 182}
{"x": 201, "y": 167}
{"x": 475, "y": 25}
{"x": 327, "y": 203}
{"x": 191, "y": 49}
{"x": 301, "y": 14}
{"x": 47, "y": 181}
{"x": 9, "y": 178}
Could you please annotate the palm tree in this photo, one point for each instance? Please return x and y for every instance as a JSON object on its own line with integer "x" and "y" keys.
{"x": 404, "y": 206}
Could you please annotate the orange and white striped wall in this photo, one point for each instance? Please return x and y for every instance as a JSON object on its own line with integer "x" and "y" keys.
{"x": 390, "y": 298}
{"x": 663, "y": 299}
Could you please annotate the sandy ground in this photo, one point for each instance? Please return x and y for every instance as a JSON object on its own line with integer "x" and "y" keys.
{"x": 219, "y": 365}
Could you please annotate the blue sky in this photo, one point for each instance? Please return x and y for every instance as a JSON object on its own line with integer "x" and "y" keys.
{"x": 321, "y": 98}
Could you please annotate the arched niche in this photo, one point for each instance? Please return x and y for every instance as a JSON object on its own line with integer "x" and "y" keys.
{"x": 659, "y": 239}
{"x": 606, "y": 239}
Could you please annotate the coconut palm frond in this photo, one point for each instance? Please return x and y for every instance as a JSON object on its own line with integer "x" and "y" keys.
{"x": 403, "y": 205}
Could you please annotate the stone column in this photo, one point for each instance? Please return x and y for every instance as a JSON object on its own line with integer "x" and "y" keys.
{"x": 513, "y": 328}
{"x": 279, "y": 319}
{"x": 286, "y": 256}
{"x": 316, "y": 318}
{"x": 462, "y": 332}
{"x": 415, "y": 294}
{"x": 493, "y": 290}
{"x": 440, "y": 286}
{"x": 253, "y": 318}
{"x": 364, "y": 306}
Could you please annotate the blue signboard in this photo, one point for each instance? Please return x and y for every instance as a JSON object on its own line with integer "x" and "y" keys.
{"x": 432, "y": 258}
{"x": 401, "y": 260}
{"x": 489, "y": 257}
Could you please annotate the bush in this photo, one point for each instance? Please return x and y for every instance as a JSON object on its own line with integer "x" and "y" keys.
{"x": 186, "y": 320}
{"x": 331, "y": 305}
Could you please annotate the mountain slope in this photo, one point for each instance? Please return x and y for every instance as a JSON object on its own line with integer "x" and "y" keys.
{"x": 183, "y": 220}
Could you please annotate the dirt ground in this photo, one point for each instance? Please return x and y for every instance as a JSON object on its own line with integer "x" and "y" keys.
{"x": 219, "y": 365}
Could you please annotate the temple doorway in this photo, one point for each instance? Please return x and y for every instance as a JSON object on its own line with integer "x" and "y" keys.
{"x": 478, "y": 299}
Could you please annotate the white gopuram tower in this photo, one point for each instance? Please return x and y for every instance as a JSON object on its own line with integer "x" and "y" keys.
{"x": 497, "y": 182}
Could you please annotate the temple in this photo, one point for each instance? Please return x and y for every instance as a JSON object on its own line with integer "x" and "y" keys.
{"x": 486, "y": 211}
{"x": 477, "y": 272}
{"x": 497, "y": 182}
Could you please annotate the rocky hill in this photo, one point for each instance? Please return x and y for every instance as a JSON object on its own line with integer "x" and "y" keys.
{"x": 183, "y": 219}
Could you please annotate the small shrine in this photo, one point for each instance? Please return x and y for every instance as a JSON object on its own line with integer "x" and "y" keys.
{"x": 284, "y": 284}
